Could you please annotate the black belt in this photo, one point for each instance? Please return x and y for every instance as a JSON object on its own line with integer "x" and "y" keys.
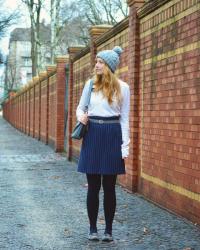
{"x": 103, "y": 121}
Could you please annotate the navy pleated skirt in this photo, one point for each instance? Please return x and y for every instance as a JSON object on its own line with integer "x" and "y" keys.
{"x": 101, "y": 149}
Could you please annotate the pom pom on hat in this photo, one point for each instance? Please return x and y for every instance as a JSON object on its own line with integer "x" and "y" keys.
{"x": 111, "y": 57}
{"x": 118, "y": 50}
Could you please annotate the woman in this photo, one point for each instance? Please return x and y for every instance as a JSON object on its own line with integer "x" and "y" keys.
{"x": 106, "y": 142}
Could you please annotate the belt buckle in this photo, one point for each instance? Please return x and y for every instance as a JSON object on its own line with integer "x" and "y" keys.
{"x": 100, "y": 121}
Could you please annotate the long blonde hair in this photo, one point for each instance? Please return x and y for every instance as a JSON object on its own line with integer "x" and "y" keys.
{"x": 108, "y": 84}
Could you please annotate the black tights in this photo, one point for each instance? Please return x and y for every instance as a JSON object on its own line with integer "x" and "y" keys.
{"x": 94, "y": 185}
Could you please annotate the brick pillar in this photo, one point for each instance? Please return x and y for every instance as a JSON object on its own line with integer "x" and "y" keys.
{"x": 16, "y": 111}
{"x": 10, "y": 111}
{"x": 95, "y": 32}
{"x": 21, "y": 110}
{"x": 35, "y": 81}
{"x": 13, "y": 112}
{"x": 72, "y": 52}
{"x": 42, "y": 76}
{"x": 25, "y": 108}
{"x": 60, "y": 102}
{"x": 17, "y": 108}
{"x": 50, "y": 71}
{"x": 29, "y": 106}
{"x": 133, "y": 79}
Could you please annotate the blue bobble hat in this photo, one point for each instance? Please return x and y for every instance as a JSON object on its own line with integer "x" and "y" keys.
{"x": 111, "y": 57}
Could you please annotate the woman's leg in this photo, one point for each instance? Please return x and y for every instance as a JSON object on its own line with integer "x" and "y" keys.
{"x": 94, "y": 185}
{"x": 109, "y": 182}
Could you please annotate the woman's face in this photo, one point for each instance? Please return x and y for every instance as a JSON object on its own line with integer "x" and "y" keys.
{"x": 99, "y": 66}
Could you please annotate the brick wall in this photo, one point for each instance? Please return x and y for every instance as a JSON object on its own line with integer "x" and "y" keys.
{"x": 169, "y": 106}
{"x": 38, "y": 108}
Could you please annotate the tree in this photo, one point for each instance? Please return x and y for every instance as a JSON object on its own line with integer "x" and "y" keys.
{"x": 55, "y": 27}
{"x": 11, "y": 81}
{"x": 7, "y": 19}
{"x": 74, "y": 25}
{"x": 78, "y": 15}
{"x": 104, "y": 11}
{"x": 34, "y": 8}
{"x": 74, "y": 32}
{"x": 1, "y": 58}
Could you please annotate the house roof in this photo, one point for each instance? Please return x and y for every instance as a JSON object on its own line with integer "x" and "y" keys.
{"x": 24, "y": 34}
{"x": 20, "y": 34}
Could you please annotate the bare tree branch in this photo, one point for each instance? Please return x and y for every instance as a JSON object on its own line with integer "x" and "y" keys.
{"x": 55, "y": 27}
{"x": 7, "y": 19}
{"x": 91, "y": 12}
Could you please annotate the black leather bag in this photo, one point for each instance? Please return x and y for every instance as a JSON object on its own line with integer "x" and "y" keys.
{"x": 80, "y": 129}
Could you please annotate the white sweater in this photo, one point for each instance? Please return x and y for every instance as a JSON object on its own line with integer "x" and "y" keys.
{"x": 99, "y": 106}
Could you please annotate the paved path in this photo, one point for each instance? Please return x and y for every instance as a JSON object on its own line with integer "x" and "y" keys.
{"x": 42, "y": 205}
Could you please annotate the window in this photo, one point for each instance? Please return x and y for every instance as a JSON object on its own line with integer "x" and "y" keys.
{"x": 26, "y": 61}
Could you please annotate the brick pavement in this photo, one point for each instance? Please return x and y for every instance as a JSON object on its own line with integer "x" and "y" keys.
{"x": 42, "y": 205}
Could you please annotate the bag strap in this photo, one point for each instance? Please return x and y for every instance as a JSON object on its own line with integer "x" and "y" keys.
{"x": 89, "y": 95}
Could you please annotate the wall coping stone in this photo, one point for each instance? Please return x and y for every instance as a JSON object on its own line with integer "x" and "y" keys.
{"x": 35, "y": 80}
{"x": 136, "y": 3}
{"x": 42, "y": 75}
{"x": 113, "y": 31}
{"x": 151, "y": 6}
{"x": 62, "y": 59}
{"x": 97, "y": 30}
{"x": 81, "y": 53}
{"x": 51, "y": 69}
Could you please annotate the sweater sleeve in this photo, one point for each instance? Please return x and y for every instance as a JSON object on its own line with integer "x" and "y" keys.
{"x": 81, "y": 106}
{"x": 124, "y": 121}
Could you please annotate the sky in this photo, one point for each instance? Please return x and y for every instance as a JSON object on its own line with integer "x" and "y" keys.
{"x": 12, "y": 5}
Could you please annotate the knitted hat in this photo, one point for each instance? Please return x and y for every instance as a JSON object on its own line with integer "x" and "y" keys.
{"x": 111, "y": 57}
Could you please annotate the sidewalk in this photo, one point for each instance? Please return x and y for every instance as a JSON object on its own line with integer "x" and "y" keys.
{"x": 42, "y": 205}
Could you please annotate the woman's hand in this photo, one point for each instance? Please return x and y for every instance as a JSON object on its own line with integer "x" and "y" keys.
{"x": 83, "y": 119}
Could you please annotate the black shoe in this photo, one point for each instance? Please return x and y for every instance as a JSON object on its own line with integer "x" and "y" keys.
{"x": 107, "y": 237}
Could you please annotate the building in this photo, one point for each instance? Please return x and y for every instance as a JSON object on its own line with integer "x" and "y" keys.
{"x": 19, "y": 64}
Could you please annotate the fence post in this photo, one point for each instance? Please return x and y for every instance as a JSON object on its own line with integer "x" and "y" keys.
{"x": 60, "y": 102}
{"x": 42, "y": 76}
{"x": 29, "y": 108}
{"x": 35, "y": 80}
{"x": 72, "y": 52}
{"x": 50, "y": 71}
{"x": 133, "y": 79}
